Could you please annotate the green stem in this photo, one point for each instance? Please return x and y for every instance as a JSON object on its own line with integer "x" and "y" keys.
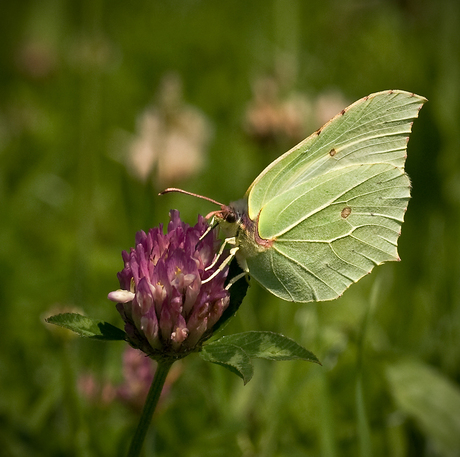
{"x": 149, "y": 407}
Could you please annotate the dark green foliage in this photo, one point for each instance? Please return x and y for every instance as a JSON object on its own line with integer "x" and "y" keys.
{"x": 236, "y": 351}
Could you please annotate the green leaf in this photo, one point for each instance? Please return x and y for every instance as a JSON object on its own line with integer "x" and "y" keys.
{"x": 267, "y": 345}
{"x": 235, "y": 352}
{"x": 231, "y": 357}
{"x": 87, "y": 327}
{"x": 431, "y": 399}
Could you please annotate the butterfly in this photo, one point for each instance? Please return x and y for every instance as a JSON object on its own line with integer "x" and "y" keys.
{"x": 323, "y": 214}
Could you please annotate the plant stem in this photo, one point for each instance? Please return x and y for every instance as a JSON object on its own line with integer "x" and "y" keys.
{"x": 149, "y": 407}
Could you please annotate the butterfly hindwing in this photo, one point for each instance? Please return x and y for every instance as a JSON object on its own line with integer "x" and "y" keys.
{"x": 349, "y": 224}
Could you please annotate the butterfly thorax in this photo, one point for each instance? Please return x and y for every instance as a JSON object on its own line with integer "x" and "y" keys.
{"x": 229, "y": 217}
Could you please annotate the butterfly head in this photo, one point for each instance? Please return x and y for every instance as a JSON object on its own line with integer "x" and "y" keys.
{"x": 230, "y": 217}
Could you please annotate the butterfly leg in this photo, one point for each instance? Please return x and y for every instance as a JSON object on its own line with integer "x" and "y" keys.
{"x": 226, "y": 261}
{"x": 234, "y": 279}
{"x": 212, "y": 226}
{"x": 231, "y": 241}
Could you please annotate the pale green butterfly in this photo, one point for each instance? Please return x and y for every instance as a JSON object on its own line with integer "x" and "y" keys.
{"x": 323, "y": 214}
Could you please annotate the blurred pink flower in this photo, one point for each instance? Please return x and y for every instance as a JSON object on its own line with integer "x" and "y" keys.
{"x": 138, "y": 372}
{"x": 37, "y": 58}
{"x": 94, "y": 391}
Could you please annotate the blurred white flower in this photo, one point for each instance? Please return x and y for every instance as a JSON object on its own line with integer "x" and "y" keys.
{"x": 171, "y": 138}
{"x": 271, "y": 117}
{"x": 328, "y": 104}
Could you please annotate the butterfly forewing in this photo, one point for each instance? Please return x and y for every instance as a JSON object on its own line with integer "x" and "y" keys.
{"x": 375, "y": 129}
{"x": 379, "y": 189}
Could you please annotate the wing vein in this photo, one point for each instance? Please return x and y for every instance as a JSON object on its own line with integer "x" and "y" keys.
{"x": 304, "y": 267}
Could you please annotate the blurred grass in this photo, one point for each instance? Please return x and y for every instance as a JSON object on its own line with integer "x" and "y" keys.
{"x": 75, "y": 78}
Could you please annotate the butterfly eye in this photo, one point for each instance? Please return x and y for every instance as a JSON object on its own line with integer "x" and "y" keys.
{"x": 230, "y": 218}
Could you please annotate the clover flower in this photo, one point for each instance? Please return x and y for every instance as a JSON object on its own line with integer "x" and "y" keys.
{"x": 168, "y": 300}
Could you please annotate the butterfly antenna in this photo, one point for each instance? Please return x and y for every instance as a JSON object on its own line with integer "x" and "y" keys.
{"x": 175, "y": 189}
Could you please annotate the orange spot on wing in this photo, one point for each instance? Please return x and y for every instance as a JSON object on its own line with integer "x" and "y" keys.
{"x": 345, "y": 212}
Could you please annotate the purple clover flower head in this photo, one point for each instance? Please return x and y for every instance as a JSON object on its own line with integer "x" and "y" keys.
{"x": 166, "y": 303}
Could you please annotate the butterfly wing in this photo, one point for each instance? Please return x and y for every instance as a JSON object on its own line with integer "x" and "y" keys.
{"x": 334, "y": 204}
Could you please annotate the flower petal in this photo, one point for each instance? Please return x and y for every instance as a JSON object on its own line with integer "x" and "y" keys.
{"x": 121, "y": 296}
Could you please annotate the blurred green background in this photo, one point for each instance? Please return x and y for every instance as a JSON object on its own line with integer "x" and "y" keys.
{"x": 103, "y": 104}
